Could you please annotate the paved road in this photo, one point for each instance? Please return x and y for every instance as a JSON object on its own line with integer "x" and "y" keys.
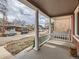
{"x": 4, "y": 40}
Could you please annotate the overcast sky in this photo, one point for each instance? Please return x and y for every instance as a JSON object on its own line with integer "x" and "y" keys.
{"x": 27, "y": 14}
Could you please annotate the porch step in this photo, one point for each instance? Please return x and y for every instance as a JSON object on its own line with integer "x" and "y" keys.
{"x": 62, "y": 43}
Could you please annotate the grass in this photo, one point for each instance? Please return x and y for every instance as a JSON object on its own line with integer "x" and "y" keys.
{"x": 17, "y": 46}
{"x": 43, "y": 38}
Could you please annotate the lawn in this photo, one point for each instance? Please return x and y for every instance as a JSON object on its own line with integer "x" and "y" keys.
{"x": 43, "y": 38}
{"x": 17, "y": 46}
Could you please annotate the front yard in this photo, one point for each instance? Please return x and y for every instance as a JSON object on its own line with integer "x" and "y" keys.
{"x": 17, "y": 46}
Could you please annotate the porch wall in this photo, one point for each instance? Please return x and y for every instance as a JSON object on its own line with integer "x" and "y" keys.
{"x": 62, "y": 23}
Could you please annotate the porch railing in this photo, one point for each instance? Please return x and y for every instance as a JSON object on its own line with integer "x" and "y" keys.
{"x": 61, "y": 35}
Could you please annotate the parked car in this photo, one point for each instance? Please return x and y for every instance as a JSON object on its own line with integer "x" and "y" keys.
{"x": 24, "y": 30}
{"x": 10, "y": 33}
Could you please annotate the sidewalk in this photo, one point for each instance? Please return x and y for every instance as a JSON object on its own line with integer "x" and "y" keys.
{"x": 4, "y": 40}
{"x": 4, "y": 54}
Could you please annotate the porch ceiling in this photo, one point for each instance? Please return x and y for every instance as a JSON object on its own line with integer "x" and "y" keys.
{"x": 55, "y": 7}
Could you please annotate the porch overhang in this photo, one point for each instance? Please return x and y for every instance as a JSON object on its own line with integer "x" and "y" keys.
{"x": 55, "y": 8}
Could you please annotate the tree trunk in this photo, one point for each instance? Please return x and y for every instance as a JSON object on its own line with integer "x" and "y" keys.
{"x": 4, "y": 23}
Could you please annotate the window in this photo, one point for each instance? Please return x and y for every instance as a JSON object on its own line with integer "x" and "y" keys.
{"x": 52, "y": 25}
{"x": 43, "y": 28}
{"x": 77, "y": 24}
{"x": 17, "y": 26}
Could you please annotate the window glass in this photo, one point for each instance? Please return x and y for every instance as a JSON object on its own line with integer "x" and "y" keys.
{"x": 17, "y": 23}
{"x": 77, "y": 23}
{"x": 43, "y": 28}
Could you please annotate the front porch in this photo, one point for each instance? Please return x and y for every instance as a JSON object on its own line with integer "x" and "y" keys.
{"x": 48, "y": 51}
{"x": 51, "y": 39}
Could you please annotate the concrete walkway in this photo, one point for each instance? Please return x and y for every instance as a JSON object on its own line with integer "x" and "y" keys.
{"x": 47, "y": 51}
{"x": 60, "y": 42}
{"x": 4, "y": 54}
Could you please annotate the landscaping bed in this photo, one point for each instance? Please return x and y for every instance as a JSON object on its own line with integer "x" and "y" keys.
{"x": 17, "y": 46}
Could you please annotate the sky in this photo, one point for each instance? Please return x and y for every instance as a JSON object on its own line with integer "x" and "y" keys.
{"x": 19, "y": 11}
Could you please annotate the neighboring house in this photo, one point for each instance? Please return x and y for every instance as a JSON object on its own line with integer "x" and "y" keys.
{"x": 21, "y": 28}
{"x": 10, "y": 30}
{"x": 41, "y": 28}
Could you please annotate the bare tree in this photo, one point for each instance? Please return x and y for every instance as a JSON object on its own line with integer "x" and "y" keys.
{"x": 3, "y": 10}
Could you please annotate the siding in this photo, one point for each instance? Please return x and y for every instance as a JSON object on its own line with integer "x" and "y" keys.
{"x": 62, "y": 24}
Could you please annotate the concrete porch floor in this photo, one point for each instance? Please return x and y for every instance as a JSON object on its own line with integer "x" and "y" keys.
{"x": 47, "y": 51}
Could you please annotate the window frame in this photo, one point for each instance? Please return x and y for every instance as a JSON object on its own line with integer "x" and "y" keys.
{"x": 76, "y": 23}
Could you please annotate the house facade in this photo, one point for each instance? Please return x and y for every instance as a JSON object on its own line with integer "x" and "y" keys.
{"x": 75, "y": 28}
{"x": 64, "y": 22}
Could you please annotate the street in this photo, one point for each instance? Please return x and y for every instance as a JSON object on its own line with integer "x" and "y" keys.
{"x": 4, "y": 40}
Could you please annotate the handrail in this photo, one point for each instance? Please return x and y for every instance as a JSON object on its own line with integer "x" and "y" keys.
{"x": 76, "y": 38}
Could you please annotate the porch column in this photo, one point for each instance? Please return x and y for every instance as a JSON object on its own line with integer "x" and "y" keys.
{"x": 37, "y": 31}
{"x": 50, "y": 29}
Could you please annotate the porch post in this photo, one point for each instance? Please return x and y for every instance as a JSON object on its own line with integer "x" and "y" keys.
{"x": 37, "y": 31}
{"x": 50, "y": 29}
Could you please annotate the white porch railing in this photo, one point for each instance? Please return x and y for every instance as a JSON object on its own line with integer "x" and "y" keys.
{"x": 61, "y": 35}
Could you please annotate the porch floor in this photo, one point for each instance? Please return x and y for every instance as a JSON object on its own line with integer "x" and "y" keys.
{"x": 47, "y": 51}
